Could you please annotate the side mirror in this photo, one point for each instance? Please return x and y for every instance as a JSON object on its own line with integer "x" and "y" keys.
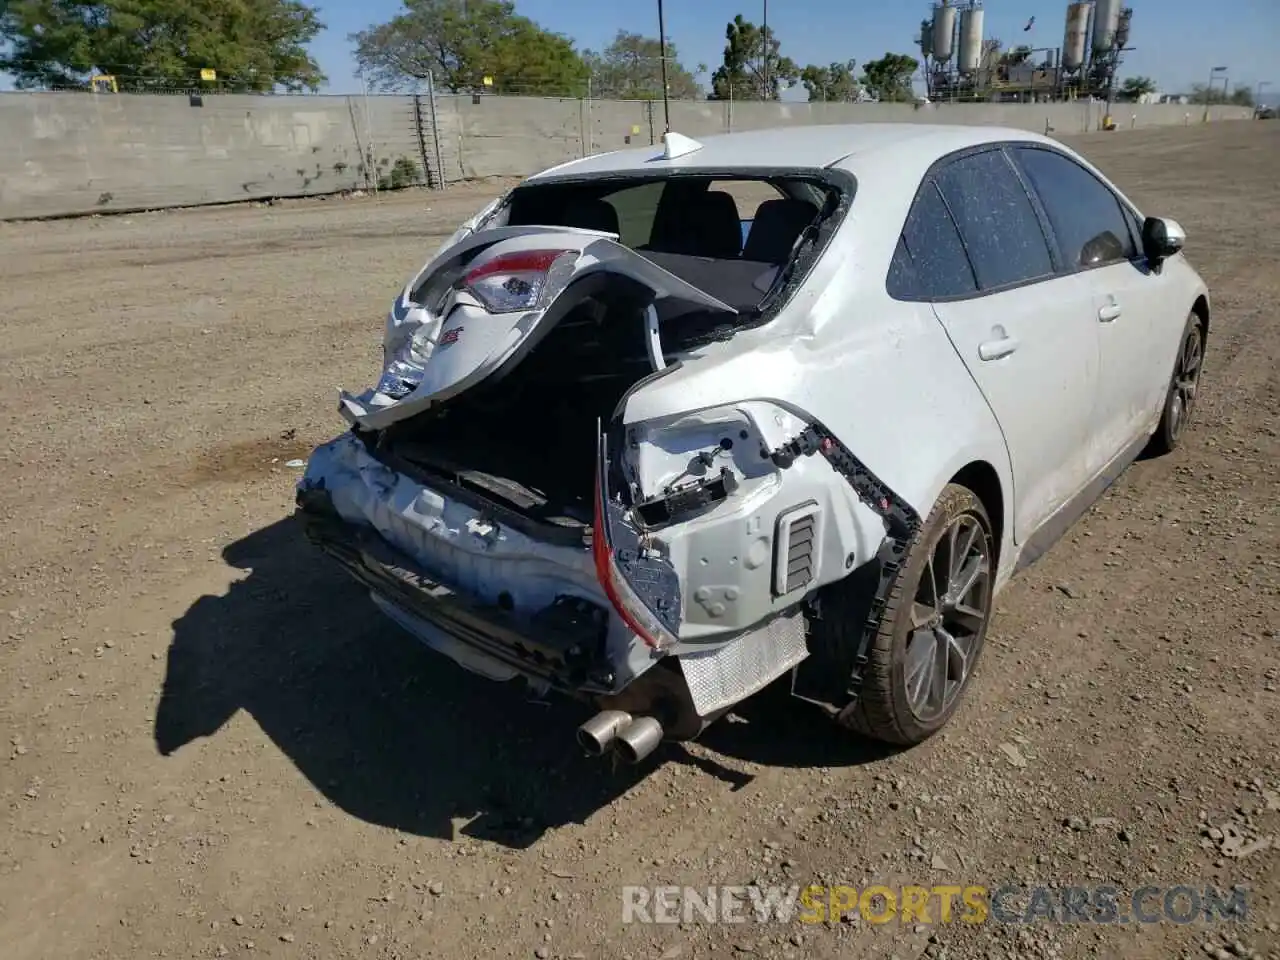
{"x": 1161, "y": 239}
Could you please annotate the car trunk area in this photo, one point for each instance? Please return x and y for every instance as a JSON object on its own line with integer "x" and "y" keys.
{"x": 525, "y": 437}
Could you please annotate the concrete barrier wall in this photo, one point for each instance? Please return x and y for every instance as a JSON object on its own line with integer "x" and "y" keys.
{"x": 70, "y": 153}
{"x": 63, "y": 153}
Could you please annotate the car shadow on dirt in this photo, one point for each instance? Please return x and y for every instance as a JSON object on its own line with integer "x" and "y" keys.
{"x": 397, "y": 735}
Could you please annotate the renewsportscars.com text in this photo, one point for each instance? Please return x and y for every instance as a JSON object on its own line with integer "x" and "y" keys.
{"x": 936, "y": 904}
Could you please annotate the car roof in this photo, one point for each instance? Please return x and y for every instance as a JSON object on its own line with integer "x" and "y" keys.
{"x": 799, "y": 147}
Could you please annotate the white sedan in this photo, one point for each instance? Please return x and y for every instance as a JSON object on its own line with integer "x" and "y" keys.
{"x": 659, "y": 427}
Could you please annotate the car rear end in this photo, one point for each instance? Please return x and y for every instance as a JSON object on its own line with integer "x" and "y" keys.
{"x": 487, "y": 491}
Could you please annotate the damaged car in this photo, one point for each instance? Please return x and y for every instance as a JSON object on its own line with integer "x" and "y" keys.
{"x": 662, "y": 426}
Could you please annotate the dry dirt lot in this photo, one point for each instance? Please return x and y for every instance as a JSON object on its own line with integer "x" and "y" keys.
{"x": 213, "y": 746}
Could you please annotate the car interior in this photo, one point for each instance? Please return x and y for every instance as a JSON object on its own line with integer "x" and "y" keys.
{"x": 691, "y": 226}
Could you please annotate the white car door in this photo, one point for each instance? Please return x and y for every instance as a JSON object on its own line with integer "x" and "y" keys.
{"x": 1026, "y": 333}
{"x": 1094, "y": 239}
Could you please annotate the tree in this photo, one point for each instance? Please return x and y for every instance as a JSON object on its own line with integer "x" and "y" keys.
{"x": 889, "y": 78}
{"x": 747, "y": 64}
{"x": 254, "y": 45}
{"x": 831, "y": 84}
{"x": 1242, "y": 96}
{"x": 1135, "y": 88}
{"x": 630, "y": 68}
{"x": 460, "y": 42}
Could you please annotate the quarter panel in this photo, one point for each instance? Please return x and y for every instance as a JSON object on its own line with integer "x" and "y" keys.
{"x": 883, "y": 377}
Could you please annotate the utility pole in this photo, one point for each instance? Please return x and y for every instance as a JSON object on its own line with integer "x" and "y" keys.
{"x": 764, "y": 34}
{"x": 1208, "y": 91}
{"x": 662, "y": 55}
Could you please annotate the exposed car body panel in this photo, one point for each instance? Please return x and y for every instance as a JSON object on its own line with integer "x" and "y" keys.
{"x": 464, "y": 342}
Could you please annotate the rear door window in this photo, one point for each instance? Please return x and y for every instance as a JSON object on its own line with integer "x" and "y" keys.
{"x": 997, "y": 222}
{"x": 1091, "y": 226}
{"x": 930, "y": 262}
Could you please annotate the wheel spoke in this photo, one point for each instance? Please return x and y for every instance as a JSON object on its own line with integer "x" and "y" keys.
{"x": 957, "y": 657}
{"x": 968, "y": 618}
{"x": 965, "y": 579}
{"x": 938, "y": 679}
{"x": 1191, "y": 356}
{"x": 922, "y": 614}
{"x": 919, "y": 666}
{"x": 932, "y": 579}
{"x": 960, "y": 558}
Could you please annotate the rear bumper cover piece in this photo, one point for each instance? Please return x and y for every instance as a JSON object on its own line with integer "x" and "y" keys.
{"x": 562, "y": 645}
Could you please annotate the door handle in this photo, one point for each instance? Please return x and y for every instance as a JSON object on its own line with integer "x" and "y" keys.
{"x": 995, "y": 349}
{"x": 1109, "y": 312}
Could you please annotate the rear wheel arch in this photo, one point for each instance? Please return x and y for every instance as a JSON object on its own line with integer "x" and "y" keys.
{"x": 981, "y": 477}
{"x": 1201, "y": 309}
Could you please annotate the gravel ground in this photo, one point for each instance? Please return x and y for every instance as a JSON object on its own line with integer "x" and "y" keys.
{"x": 213, "y": 746}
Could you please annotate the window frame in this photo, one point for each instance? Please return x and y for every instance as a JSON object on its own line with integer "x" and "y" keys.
{"x": 1128, "y": 213}
{"x": 928, "y": 181}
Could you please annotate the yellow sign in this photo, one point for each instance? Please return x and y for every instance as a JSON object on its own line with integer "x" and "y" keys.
{"x": 635, "y": 128}
{"x": 488, "y": 81}
{"x": 207, "y": 74}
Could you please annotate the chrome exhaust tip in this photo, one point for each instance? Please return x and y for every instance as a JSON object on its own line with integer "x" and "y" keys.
{"x": 638, "y": 739}
{"x": 599, "y": 733}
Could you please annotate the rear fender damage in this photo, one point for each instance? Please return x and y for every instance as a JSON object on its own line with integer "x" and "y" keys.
{"x": 717, "y": 531}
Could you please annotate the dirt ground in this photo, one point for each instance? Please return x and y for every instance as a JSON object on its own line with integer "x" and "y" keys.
{"x": 214, "y": 746}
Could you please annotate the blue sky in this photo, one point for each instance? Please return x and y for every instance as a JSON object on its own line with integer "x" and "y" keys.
{"x": 1176, "y": 41}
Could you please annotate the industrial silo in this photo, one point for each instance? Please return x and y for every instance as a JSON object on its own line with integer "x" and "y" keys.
{"x": 1122, "y": 28}
{"x": 926, "y": 38}
{"x": 970, "y": 40}
{"x": 944, "y": 26}
{"x": 1106, "y": 18}
{"x": 1073, "y": 46}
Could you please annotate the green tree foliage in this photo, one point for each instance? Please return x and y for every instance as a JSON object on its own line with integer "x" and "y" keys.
{"x": 460, "y": 42}
{"x": 831, "y": 84}
{"x": 742, "y": 75}
{"x": 630, "y": 68}
{"x": 889, "y": 78}
{"x": 254, "y": 45}
{"x": 1240, "y": 97}
{"x": 1135, "y": 88}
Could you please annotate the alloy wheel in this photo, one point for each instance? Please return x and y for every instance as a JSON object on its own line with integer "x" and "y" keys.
{"x": 948, "y": 615}
{"x": 1186, "y": 378}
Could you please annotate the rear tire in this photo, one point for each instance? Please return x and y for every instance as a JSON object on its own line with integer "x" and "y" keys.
{"x": 1184, "y": 385}
{"x": 933, "y": 628}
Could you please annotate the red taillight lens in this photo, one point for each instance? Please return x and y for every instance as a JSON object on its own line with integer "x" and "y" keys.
{"x": 633, "y": 611}
{"x": 516, "y": 281}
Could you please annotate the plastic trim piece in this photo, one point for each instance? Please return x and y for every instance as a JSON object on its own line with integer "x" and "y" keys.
{"x": 902, "y": 527}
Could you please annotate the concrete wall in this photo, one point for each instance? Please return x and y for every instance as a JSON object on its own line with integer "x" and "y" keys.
{"x": 68, "y": 153}
{"x": 78, "y": 152}
{"x": 516, "y": 136}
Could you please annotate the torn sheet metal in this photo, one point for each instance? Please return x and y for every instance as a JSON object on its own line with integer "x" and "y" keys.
{"x": 441, "y": 340}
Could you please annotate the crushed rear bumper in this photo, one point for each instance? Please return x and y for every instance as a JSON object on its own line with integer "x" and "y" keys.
{"x": 562, "y": 645}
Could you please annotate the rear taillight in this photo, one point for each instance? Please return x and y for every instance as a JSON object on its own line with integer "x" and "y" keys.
{"x": 525, "y": 280}
{"x": 631, "y": 608}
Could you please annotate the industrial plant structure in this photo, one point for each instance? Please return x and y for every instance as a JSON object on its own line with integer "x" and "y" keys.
{"x": 961, "y": 64}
